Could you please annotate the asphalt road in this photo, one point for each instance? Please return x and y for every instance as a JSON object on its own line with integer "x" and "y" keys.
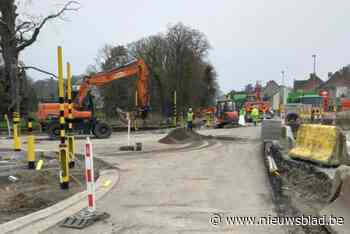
{"x": 178, "y": 191}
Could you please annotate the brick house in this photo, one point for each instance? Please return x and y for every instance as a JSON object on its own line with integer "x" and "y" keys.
{"x": 338, "y": 84}
{"x": 311, "y": 84}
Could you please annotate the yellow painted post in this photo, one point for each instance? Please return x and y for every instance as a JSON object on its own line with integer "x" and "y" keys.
{"x": 31, "y": 145}
{"x": 208, "y": 119}
{"x": 16, "y": 131}
{"x": 136, "y": 100}
{"x": 63, "y": 150}
{"x": 175, "y": 111}
{"x": 70, "y": 137}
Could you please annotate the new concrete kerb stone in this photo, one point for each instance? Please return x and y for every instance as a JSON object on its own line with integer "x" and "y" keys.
{"x": 46, "y": 218}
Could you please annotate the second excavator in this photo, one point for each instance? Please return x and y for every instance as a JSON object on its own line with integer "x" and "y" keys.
{"x": 84, "y": 118}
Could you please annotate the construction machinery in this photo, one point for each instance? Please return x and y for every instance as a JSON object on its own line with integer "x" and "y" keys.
{"x": 84, "y": 120}
{"x": 308, "y": 107}
{"x": 254, "y": 99}
{"x": 226, "y": 113}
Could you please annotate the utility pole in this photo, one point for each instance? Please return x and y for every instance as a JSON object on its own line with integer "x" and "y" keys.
{"x": 314, "y": 57}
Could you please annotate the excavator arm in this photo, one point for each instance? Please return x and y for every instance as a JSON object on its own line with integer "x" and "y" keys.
{"x": 138, "y": 68}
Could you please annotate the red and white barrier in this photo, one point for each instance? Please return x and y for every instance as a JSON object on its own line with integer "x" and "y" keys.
{"x": 89, "y": 175}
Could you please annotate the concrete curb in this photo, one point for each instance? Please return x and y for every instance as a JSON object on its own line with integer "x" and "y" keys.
{"x": 43, "y": 219}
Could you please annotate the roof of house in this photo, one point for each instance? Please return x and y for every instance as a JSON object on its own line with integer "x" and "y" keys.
{"x": 271, "y": 88}
{"x": 340, "y": 78}
{"x": 299, "y": 84}
{"x": 314, "y": 80}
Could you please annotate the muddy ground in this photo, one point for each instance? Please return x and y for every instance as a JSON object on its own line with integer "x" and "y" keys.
{"x": 36, "y": 190}
{"x": 300, "y": 189}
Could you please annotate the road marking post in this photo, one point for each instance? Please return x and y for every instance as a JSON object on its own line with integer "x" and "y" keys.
{"x": 31, "y": 145}
{"x": 70, "y": 137}
{"x": 89, "y": 175}
{"x": 16, "y": 131}
{"x": 63, "y": 150}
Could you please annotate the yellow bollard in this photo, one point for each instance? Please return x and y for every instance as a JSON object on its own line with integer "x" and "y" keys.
{"x": 70, "y": 138}
{"x": 31, "y": 145}
{"x": 16, "y": 131}
{"x": 63, "y": 150}
{"x": 71, "y": 151}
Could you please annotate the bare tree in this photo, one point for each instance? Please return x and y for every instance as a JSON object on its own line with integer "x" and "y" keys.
{"x": 153, "y": 50}
{"x": 118, "y": 93}
{"x": 187, "y": 47}
{"x": 16, "y": 34}
{"x": 176, "y": 60}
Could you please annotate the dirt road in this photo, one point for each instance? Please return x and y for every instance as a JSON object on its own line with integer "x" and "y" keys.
{"x": 178, "y": 191}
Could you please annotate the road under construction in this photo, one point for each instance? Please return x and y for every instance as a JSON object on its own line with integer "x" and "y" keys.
{"x": 181, "y": 179}
{"x": 274, "y": 176}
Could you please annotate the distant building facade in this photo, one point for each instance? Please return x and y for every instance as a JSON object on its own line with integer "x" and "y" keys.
{"x": 311, "y": 84}
{"x": 338, "y": 85}
{"x": 275, "y": 94}
{"x": 270, "y": 89}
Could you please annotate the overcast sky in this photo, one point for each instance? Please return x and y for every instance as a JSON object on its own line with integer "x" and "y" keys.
{"x": 251, "y": 39}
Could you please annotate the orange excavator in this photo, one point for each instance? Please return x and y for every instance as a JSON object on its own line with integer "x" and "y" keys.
{"x": 84, "y": 120}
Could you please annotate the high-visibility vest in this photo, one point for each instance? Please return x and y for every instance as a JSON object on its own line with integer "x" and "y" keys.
{"x": 255, "y": 112}
{"x": 189, "y": 116}
{"x": 242, "y": 111}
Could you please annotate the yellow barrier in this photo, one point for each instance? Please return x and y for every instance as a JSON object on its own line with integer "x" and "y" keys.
{"x": 321, "y": 144}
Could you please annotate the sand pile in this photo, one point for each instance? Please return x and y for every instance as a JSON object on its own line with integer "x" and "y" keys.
{"x": 180, "y": 136}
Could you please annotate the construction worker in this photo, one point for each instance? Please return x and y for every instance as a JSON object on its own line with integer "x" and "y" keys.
{"x": 255, "y": 115}
{"x": 241, "y": 120}
{"x": 190, "y": 117}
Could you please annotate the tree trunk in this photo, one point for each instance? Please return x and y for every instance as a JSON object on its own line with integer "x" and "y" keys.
{"x": 10, "y": 53}
{"x": 11, "y": 73}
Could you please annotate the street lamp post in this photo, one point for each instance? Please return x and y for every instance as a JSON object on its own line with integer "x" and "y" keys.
{"x": 282, "y": 72}
{"x": 314, "y": 57}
